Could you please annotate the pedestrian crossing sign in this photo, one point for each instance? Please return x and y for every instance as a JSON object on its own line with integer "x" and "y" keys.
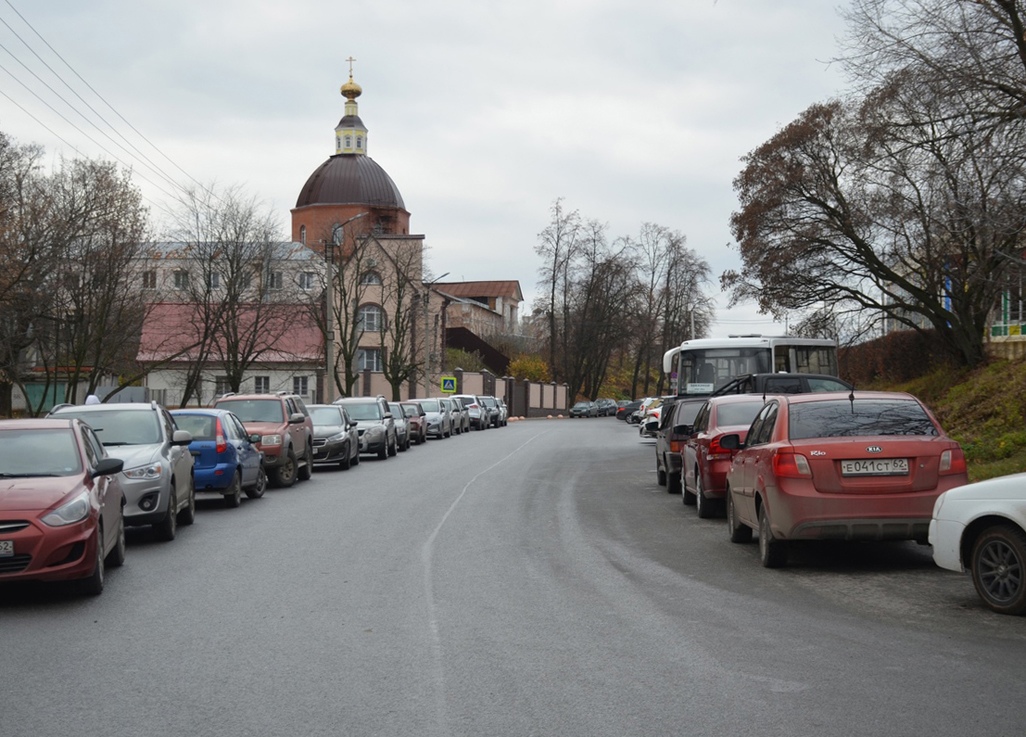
{"x": 448, "y": 384}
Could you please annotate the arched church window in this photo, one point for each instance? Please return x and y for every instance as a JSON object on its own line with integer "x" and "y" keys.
{"x": 336, "y": 234}
{"x": 370, "y": 278}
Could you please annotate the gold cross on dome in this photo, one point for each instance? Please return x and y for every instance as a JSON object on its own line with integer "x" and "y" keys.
{"x": 350, "y": 60}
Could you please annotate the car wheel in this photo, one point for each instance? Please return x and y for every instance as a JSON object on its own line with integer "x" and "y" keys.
{"x": 688, "y": 497}
{"x": 116, "y": 557}
{"x": 673, "y": 483}
{"x": 257, "y": 490}
{"x": 188, "y": 515}
{"x": 304, "y": 472}
{"x": 287, "y": 471}
{"x": 739, "y": 532}
{"x": 93, "y": 585}
{"x": 772, "y": 552}
{"x": 346, "y": 461}
{"x": 233, "y": 498}
{"x": 660, "y": 473}
{"x": 383, "y": 452}
{"x": 998, "y": 564}
{"x": 356, "y": 458}
{"x": 392, "y": 449}
{"x": 167, "y": 528}
{"x": 703, "y": 505}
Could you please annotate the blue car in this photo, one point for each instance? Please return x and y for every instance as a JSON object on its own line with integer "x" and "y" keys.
{"x": 226, "y": 460}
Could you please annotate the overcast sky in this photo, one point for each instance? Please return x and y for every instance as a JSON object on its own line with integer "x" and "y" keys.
{"x": 482, "y": 112}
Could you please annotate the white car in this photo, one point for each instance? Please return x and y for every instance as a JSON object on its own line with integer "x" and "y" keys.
{"x": 981, "y": 528}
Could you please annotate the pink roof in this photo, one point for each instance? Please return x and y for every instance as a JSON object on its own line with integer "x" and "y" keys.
{"x": 289, "y": 334}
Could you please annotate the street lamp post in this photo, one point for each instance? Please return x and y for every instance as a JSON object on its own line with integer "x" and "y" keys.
{"x": 329, "y": 322}
{"x": 427, "y": 361}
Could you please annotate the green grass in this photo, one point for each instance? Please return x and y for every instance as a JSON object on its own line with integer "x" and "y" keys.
{"x": 983, "y": 409}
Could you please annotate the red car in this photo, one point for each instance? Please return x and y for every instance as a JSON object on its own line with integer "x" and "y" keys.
{"x": 704, "y": 461}
{"x": 60, "y": 504}
{"x": 862, "y": 466}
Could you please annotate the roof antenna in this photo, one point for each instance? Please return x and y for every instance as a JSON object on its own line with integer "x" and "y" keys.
{"x": 851, "y": 398}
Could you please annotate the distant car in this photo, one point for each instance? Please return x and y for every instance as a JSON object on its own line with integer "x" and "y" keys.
{"x": 418, "y": 421}
{"x": 454, "y": 409}
{"x": 286, "y": 433}
{"x": 626, "y": 411}
{"x": 460, "y": 415}
{"x": 704, "y": 461}
{"x": 866, "y": 466}
{"x": 489, "y": 403}
{"x": 981, "y": 529}
{"x": 157, "y": 474}
{"x": 503, "y": 411}
{"x": 606, "y": 407}
{"x": 374, "y": 423}
{"x": 584, "y": 409}
{"x": 226, "y": 459}
{"x": 476, "y": 411}
{"x": 336, "y": 441}
{"x": 402, "y": 426}
{"x": 437, "y": 417}
{"x": 61, "y": 504}
{"x": 675, "y": 426}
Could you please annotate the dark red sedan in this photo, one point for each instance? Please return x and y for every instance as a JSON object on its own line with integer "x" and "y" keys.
{"x": 862, "y": 466}
{"x": 60, "y": 504}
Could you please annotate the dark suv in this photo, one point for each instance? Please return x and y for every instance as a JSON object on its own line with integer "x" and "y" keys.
{"x": 374, "y": 423}
{"x": 285, "y": 429}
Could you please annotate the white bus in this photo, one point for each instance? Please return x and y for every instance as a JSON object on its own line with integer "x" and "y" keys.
{"x": 703, "y": 365}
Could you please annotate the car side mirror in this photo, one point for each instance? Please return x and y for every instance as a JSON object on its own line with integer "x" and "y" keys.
{"x": 355, "y": 423}
{"x": 254, "y": 438}
{"x": 731, "y": 442}
{"x": 108, "y": 467}
{"x": 684, "y": 430}
{"x": 297, "y": 418}
{"x": 181, "y": 437}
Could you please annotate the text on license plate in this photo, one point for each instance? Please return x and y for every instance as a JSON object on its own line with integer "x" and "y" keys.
{"x": 6, "y": 548}
{"x": 875, "y": 467}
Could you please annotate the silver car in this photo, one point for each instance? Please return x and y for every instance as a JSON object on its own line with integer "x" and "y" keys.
{"x": 439, "y": 422}
{"x": 157, "y": 475}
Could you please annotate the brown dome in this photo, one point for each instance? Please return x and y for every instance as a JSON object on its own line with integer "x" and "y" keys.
{"x": 350, "y": 179}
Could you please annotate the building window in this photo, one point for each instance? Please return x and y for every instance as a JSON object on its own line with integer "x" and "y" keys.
{"x": 149, "y": 280}
{"x": 336, "y": 234}
{"x": 349, "y": 141}
{"x": 221, "y": 386}
{"x": 300, "y": 385}
{"x": 274, "y": 280}
{"x": 262, "y": 384}
{"x": 371, "y": 319}
{"x": 359, "y": 141}
{"x": 370, "y": 277}
{"x": 307, "y": 280}
{"x": 181, "y": 280}
{"x": 368, "y": 359}
{"x": 302, "y": 234}
{"x": 214, "y": 280}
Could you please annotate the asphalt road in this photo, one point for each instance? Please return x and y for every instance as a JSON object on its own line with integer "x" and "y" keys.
{"x": 531, "y": 580}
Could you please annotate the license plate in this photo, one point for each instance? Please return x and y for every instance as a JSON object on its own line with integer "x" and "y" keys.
{"x": 875, "y": 467}
{"x": 6, "y": 548}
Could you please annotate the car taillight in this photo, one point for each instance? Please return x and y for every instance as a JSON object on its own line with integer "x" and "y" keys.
{"x": 788, "y": 464}
{"x": 952, "y": 461}
{"x": 717, "y": 452}
{"x": 221, "y": 445}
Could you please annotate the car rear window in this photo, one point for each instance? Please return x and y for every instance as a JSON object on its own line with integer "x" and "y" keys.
{"x": 738, "y": 413}
{"x": 255, "y": 410}
{"x": 844, "y": 418}
{"x": 201, "y": 427}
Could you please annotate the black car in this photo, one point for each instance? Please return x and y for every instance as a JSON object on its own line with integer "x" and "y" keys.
{"x": 335, "y": 439}
{"x": 374, "y": 424}
{"x": 675, "y": 427}
{"x": 624, "y": 413}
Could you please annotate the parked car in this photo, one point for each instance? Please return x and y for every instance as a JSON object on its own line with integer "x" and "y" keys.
{"x": 675, "y": 425}
{"x": 418, "y": 421}
{"x": 335, "y": 439}
{"x": 869, "y": 465}
{"x": 374, "y": 424}
{"x": 649, "y": 423}
{"x": 454, "y": 409}
{"x": 626, "y": 411}
{"x": 157, "y": 473}
{"x": 477, "y": 413}
{"x": 439, "y": 421}
{"x": 981, "y": 529}
{"x": 461, "y": 415}
{"x": 286, "y": 433}
{"x": 606, "y": 407}
{"x": 402, "y": 426}
{"x": 704, "y": 461}
{"x": 492, "y": 407}
{"x": 225, "y": 458}
{"x": 503, "y": 411}
{"x": 61, "y": 504}
{"x": 583, "y": 409}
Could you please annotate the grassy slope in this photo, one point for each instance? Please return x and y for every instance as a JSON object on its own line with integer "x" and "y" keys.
{"x": 984, "y": 410}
